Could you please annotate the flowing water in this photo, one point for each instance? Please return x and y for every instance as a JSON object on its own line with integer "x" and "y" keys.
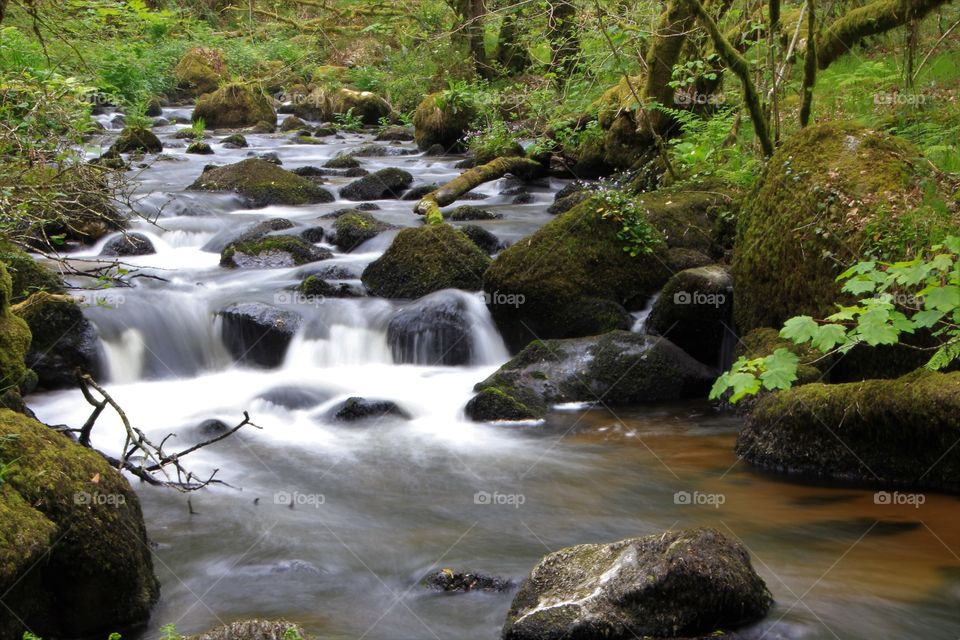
{"x": 376, "y": 507}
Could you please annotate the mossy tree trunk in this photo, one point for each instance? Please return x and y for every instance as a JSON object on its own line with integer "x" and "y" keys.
{"x": 471, "y": 14}
{"x": 511, "y": 53}
{"x": 876, "y": 17}
{"x": 809, "y": 67}
{"x": 430, "y": 204}
{"x": 3, "y": 10}
{"x": 562, "y": 36}
{"x": 671, "y": 33}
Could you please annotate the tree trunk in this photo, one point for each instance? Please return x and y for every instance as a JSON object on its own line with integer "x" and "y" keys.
{"x": 809, "y": 67}
{"x": 430, "y": 204}
{"x": 471, "y": 14}
{"x": 511, "y": 54}
{"x": 3, "y": 9}
{"x": 563, "y": 38}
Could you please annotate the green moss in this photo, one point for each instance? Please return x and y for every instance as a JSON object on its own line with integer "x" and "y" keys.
{"x": 832, "y": 195}
{"x": 426, "y": 259}
{"x": 893, "y": 432}
{"x": 262, "y": 183}
{"x": 14, "y": 338}
{"x": 507, "y": 149}
{"x": 98, "y": 575}
{"x": 300, "y": 251}
{"x": 325, "y": 104}
{"x": 494, "y": 403}
{"x": 433, "y": 125}
{"x": 137, "y": 138}
{"x": 26, "y": 274}
{"x": 355, "y": 228}
{"x": 342, "y": 162}
{"x": 233, "y": 106}
{"x": 200, "y": 71}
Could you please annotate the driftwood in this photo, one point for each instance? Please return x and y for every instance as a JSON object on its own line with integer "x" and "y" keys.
{"x": 141, "y": 457}
{"x": 430, "y": 204}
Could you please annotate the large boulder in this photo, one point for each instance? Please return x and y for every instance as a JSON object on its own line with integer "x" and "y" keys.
{"x": 74, "y": 556}
{"x": 258, "y": 333}
{"x": 14, "y": 338}
{"x": 255, "y": 630}
{"x": 137, "y": 138}
{"x": 694, "y": 311}
{"x": 63, "y": 339}
{"x": 882, "y": 432}
{"x": 26, "y": 274}
{"x": 356, "y": 227}
{"x": 442, "y": 120}
{"x": 128, "y": 244}
{"x": 684, "y": 583}
{"x": 426, "y": 259}
{"x": 324, "y": 104}
{"x": 615, "y": 368}
{"x": 389, "y": 183}
{"x": 200, "y": 71}
{"x": 434, "y": 330}
{"x": 833, "y": 194}
{"x": 233, "y": 106}
{"x": 262, "y": 184}
{"x": 574, "y": 278}
{"x": 272, "y": 252}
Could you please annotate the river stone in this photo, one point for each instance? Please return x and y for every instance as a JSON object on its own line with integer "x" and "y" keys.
{"x": 346, "y": 161}
{"x": 353, "y": 228}
{"x": 384, "y": 184}
{"x": 130, "y": 244}
{"x": 138, "y": 138}
{"x": 487, "y": 242}
{"x": 258, "y": 333}
{"x": 616, "y": 368}
{"x": 63, "y": 339}
{"x": 694, "y": 310}
{"x": 420, "y": 190}
{"x": 433, "y": 330}
{"x": 262, "y": 183}
{"x": 74, "y": 555}
{"x": 255, "y": 630}
{"x": 295, "y": 397}
{"x": 254, "y": 231}
{"x": 272, "y": 252}
{"x": 682, "y": 583}
{"x": 470, "y": 212}
{"x": 395, "y": 134}
{"x": 456, "y": 582}
{"x": 356, "y": 409}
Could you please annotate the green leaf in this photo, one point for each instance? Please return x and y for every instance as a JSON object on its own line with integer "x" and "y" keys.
{"x": 781, "y": 369}
{"x": 799, "y": 329}
{"x": 927, "y": 318}
{"x": 859, "y": 285}
{"x": 944, "y": 299}
{"x": 743, "y": 384}
{"x": 875, "y": 329}
{"x": 828, "y": 337}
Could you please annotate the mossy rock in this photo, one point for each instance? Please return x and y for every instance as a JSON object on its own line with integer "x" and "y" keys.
{"x": 888, "y": 433}
{"x": 74, "y": 555}
{"x": 272, "y": 252}
{"x": 574, "y": 278}
{"x": 325, "y": 104}
{"x": 14, "y": 338}
{"x": 832, "y": 195}
{"x": 487, "y": 241}
{"x": 444, "y": 126}
{"x": 200, "y": 149}
{"x": 342, "y": 162}
{"x": 618, "y": 367}
{"x": 293, "y": 123}
{"x": 682, "y": 583}
{"x": 355, "y": 228}
{"x": 424, "y": 260}
{"x": 255, "y": 630}
{"x": 262, "y": 184}
{"x": 200, "y": 71}
{"x": 762, "y": 342}
{"x": 235, "y": 141}
{"x": 233, "y": 106}
{"x": 389, "y": 183}
{"x": 137, "y": 138}
{"x": 509, "y": 149}
{"x": 26, "y": 274}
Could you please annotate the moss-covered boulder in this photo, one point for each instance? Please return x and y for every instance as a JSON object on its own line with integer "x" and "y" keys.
{"x": 424, "y": 260}
{"x": 14, "y": 338}
{"x": 74, "y": 556}
{"x": 683, "y": 583}
{"x": 235, "y": 141}
{"x": 487, "y": 241}
{"x": 389, "y": 183}
{"x": 345, "y": 161}
{"x": 617, "y": 367}
{"x": 255, "y": 630}
{"x": 200, "y": 149}
{"x": 262, "y": 184}
{"x": 885, "y": 433}
{"x": 325, "y": 104}
{"x": 63, "y": 339}
{"x": 233, "y": 106}
{"x": 26, "y": 274}
{"x": 200, "y": 71}
{"x": 354, "y": 228}
{"x": 694, "y": 311}
{"x": 271, "y": 252}
{"x": 293, "y": 123}
{"x": 137, "y": 138}
{"x": 442, "y": 121}
{"x": 832, "y": 194}
{"x": 573, "y": 278}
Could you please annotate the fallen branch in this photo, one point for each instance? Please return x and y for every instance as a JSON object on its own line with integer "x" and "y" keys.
{"x": 430, "y": 204}
{"x": 141, "y": 457}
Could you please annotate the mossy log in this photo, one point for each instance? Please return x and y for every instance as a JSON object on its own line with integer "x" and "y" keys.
{"x": 876, "y": 17}
{"x": 430, "y": 204}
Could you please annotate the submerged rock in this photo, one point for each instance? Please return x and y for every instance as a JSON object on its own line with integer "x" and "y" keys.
{"x": 385, "y": 184}
{"x": 63, "y": 339}
{"x": 261, "y": 184}
{"x": 434, "y": 330}
{"x": 258, "y": 333}
{"x": 881, "y": 432}
{"x": 682, "y": 583}
{"x": 456, "y": 582}
{"x": 356, "y": 409}
{"x": 295, "y": 397}
{"x": 255, "y": 630}
{"x": 272, "y": 252}
{"x": 130, "y": 244}
{"x": 616, "y": 368}
{"x": 74, "y": 554}
{"x": 426, "y": 259}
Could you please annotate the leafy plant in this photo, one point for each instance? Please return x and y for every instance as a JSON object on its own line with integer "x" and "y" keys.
{"x": 896, "y": 298}
{"x": 198, "y": 128}
{"x": 292, "y": 634}
{"x": 169, "y": 632}
{"x": 636, "y": 232}
{"x": 349, "y": 121}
